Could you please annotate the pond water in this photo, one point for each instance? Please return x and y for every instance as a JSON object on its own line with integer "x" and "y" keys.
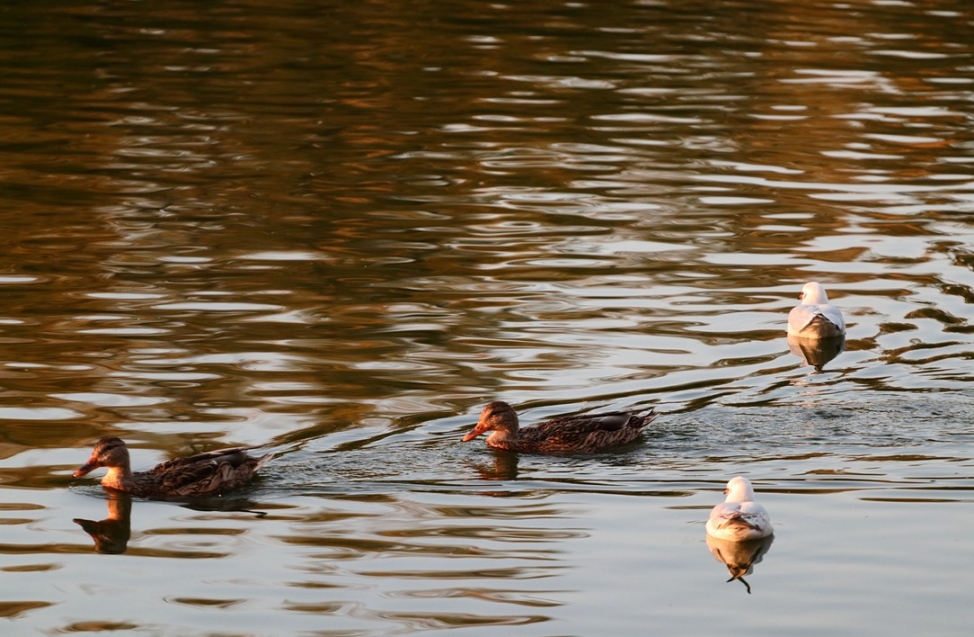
{"x": 337, "y": 230}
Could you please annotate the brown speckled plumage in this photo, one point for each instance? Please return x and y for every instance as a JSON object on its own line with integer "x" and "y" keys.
{"x": 204, "y": 474}
{"x": 578, "y": 433}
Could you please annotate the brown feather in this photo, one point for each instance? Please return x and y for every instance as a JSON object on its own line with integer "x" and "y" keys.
{"x": 203, "y": 474}
{"x": 578, "y": 433}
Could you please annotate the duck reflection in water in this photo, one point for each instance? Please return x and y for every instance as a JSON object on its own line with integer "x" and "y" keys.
{"x": 739, "y": 530}
{"x": 503, "y": 466}
{"x": 112, "y": 534}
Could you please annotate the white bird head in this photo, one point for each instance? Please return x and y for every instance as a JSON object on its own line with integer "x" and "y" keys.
{"x": 739, "y": 489}
{"x": 813, "y": 294}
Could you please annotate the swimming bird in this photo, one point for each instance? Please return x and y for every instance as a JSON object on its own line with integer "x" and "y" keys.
{"x": 204, "y": 474}
{"x": 739, "y": 517}
{"x": 815, "y": 317}
{"x": 578, "y": 433}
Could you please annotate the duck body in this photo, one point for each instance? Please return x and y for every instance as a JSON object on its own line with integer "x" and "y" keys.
{"x": 203, "y": 474}
{"x": 581, "y": 433}
{"x": 815, "y": 317}
{"x": 739, "y": 518}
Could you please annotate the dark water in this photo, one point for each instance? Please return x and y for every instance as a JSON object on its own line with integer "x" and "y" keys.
{"x": 338, "y": 229}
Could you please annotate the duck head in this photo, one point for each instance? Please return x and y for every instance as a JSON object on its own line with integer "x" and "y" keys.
{"x": 108, "y": 452}
{"x": 498, "y": 417}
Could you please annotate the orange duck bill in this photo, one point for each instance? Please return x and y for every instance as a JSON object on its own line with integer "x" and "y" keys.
{"x": 84, "y": 470}
{"x": 476, "y": 431}
{"x": 87, "y": 467}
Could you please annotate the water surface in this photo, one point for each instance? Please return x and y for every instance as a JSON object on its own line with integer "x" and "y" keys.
{"x": 338, "y": 230}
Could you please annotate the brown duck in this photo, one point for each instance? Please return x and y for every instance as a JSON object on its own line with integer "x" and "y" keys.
{"x": 578, "y": 433}
{"x": 204, "y": 474}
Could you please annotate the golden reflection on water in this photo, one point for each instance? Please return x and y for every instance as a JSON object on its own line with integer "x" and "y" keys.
{"x": 111, "y": 534}
{"x": 739, "y": 557}
{"x": 341, "y": 229}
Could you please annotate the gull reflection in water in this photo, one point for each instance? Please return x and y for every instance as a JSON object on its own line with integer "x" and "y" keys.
{"x": 816, "y": 351}
{"x": 739, "y": 557}
{"x": 112, "y": 534}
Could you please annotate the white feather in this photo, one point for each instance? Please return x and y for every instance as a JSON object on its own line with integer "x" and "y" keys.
{"x": 739, "y": 517}
{"x": 815, "y": 317}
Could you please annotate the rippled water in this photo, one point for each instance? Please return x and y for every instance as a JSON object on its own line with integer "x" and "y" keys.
{"x": 338, "y": 229}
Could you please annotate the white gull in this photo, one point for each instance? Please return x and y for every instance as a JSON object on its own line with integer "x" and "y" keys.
{"x": 815, "y": 317}
{"x": 739, "y": 517}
